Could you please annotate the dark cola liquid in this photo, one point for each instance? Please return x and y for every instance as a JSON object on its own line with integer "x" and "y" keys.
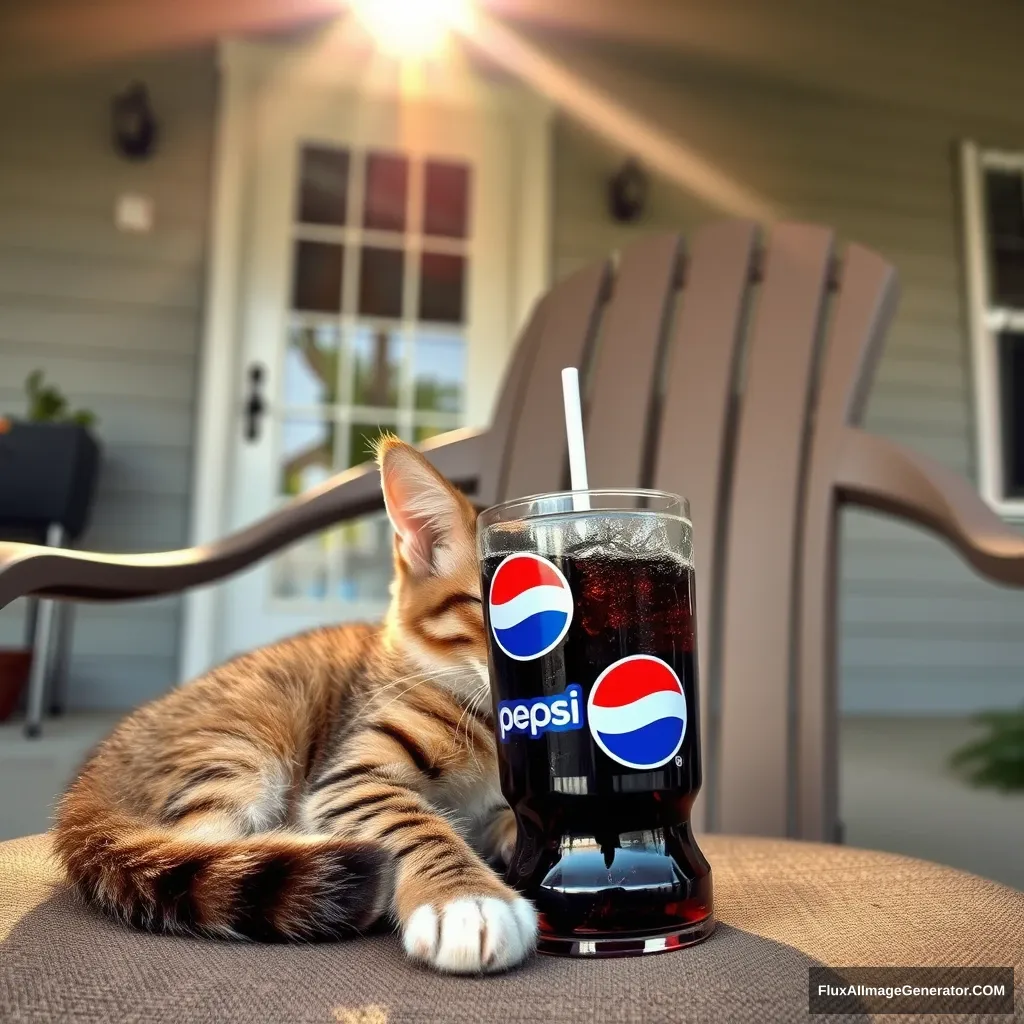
{"x": 605, "y": 851}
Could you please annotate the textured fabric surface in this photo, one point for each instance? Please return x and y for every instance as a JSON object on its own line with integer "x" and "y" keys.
{"x": 781, "y": 907}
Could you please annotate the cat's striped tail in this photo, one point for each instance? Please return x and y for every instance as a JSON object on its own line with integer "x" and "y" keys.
{"x": 270, "y": 887}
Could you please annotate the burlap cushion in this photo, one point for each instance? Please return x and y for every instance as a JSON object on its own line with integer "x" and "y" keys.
{"x": 781, "y": 907}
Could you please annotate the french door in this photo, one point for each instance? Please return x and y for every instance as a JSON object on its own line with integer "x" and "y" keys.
{"x": 376, "y": 296}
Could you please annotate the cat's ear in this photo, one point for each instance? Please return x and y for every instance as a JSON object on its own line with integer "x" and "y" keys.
{"x": 422, "y": 506}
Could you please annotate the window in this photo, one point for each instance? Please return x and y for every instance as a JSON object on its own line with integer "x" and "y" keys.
{"x": 993, "y": 208}
{"x": 376, "y": 341}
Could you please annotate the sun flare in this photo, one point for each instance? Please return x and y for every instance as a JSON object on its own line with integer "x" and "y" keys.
{"x": 409, "y": 28}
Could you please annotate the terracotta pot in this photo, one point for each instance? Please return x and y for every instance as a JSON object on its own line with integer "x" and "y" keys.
{"x": 14, "y": 669}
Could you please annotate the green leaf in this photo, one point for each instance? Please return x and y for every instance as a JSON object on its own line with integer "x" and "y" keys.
{"x": 84, "y": 418}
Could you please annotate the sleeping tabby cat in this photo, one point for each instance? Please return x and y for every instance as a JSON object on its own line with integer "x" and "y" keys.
{"x": 325, "y": 783}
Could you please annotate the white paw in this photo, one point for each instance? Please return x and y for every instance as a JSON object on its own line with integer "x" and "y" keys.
{"x": 472, "y": 935}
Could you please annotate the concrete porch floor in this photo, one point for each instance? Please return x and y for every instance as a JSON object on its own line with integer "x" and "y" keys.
{"x": 897, "y": 793}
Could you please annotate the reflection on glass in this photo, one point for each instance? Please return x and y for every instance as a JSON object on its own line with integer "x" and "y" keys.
{"x": 387, "y": 184}
{"x": 366, "y": 557}
{"x": 323, "y": 185}
{"x": 307, "y": 454}
{"x": 376, "y": 364}
{"x": 362, "y": 441}
{"x": 439, "y": 372}
{"x": 442, "y": 281}
{"x": 301, "y": 571}
{"x": 311, "y": 365}
{"x": 316, "y": 281}
{"x": 380, "y": 282}
{"x": 446, "y": 205}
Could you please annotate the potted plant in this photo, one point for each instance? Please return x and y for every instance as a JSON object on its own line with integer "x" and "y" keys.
{"x": 48, "y": 464}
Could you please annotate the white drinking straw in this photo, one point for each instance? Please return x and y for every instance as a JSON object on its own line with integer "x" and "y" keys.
{"x": 574, "y": 435}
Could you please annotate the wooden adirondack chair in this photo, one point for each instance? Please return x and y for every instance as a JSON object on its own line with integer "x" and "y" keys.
{"x": 706, "y": 372}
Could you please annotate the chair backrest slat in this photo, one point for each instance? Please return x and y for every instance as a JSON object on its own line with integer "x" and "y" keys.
{"x": 865, "y": 305}
{"x": 535, "y": 457}
{"x": 621, "y": 379}
{"x": 692, "y": 454}
{"x": 496, "y": 452}
{"x": 754, "y": 765}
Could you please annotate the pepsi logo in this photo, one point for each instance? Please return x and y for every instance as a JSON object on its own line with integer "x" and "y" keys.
{"x": 637, "y": 712}
{"x": 529, "y": 606}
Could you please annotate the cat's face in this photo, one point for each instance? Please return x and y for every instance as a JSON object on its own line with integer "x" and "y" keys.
{"x": 436, "y": 610}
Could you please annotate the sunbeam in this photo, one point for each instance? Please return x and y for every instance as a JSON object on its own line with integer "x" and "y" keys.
{"x": 607, "y": 117}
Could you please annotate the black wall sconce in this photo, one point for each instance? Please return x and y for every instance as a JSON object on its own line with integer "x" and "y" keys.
{"x": 627, "y": 192}
{"x": 134, "y": 124}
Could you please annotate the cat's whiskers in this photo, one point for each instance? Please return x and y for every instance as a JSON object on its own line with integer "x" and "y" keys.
{"x": 419, "y": 678}
{"x": 476, "y": 698}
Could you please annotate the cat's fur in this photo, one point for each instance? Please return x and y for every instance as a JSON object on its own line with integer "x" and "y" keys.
{"x": 317, "y": 786}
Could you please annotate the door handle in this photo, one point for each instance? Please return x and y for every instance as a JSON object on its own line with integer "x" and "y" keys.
{"x": 255, "y": 404}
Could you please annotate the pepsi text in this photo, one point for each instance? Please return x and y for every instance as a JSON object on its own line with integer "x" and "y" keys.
{"x": 561, "y": 712}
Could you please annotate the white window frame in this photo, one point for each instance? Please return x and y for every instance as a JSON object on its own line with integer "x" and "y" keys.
{"x": 985, "y": 321}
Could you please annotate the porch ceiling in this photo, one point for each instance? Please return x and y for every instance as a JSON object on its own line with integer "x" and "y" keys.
{"x": 798, "y": 40}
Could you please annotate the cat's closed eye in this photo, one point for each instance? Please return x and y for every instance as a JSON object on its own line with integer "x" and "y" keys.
{"x": 454, "y": 600}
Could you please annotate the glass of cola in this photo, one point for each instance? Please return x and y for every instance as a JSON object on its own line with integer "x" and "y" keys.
{"x": 589, "y": 608}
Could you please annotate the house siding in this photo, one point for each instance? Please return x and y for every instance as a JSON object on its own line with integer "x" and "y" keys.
{"x": 920, "y": 633}
{"x": 858, "y": 139}
{"x": 113, "y": 319}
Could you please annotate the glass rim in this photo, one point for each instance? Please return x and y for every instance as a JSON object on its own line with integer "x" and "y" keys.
{"x": 494, "y": 514}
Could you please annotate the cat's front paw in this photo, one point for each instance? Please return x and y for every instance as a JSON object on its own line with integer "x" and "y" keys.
{"x": 472, "y": 934}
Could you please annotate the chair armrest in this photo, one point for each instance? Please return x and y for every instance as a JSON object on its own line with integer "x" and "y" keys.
{"x": 56, "y": 572}
{"x": 458, "y": 454}
{"x": 877, "y": 473}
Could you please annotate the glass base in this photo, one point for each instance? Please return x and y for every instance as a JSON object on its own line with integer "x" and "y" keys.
{"x": 602, "y": 946}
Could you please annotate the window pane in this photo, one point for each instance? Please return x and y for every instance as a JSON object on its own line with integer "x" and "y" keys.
{"x": 367, "y": 559}
{"x": 366, "y": 541}
{"x": 439, "y": 372}
{"x": 311, "y": 365}
{"x": 1011, "y": 381}
{"x": 307, "y": 454}
{"x": 1008, "y": 276}
{"x": 387, "y": 185}
{"x": 316, "y": 284}
{"x": 323, "y": 185}
{"x": 1004, "y": 201}
{"x": 446, "y": 210}
{"x": 362, "y": 439}
{"x": 380, "y": 282}
{"x": 442, "y": 281}
{"x": 301, "y": 571}
{"x": 376, "y": 365}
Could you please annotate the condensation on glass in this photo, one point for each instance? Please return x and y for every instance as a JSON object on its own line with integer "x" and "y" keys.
{"x": 381, "y": 253}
